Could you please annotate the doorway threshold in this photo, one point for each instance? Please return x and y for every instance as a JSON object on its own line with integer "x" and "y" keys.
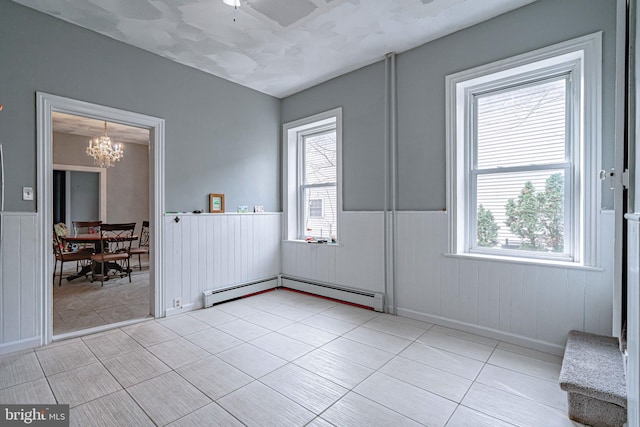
{"x": 101, "y": 328}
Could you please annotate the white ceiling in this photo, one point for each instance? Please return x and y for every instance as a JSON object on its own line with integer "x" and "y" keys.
{"x": 92, "y": 128}
{"x": 278, "y": 47}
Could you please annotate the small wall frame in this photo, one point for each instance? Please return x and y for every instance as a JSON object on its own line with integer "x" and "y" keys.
{"x": 216, "y": 203}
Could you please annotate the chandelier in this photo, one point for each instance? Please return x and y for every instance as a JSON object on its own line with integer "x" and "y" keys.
{"x": 103, "y": 152}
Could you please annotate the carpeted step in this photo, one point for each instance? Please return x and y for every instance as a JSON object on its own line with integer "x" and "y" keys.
{"x": 593, "y": 376}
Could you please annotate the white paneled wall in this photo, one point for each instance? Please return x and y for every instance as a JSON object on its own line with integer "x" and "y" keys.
{"x": 213, "y": 251}
{"x": 533, "y": 304}
{"x": 356, "y": 262}
{"x": 529, "y": 304}
{"x": 19, "y": 288}
{"x": 633, "y": 319}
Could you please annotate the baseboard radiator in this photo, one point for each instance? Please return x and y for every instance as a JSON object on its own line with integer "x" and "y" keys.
{"x": 354, "y": 296}
{"x": 215, "y": 296}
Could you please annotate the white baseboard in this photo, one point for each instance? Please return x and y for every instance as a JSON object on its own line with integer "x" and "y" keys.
{"x": 14, "y": 346}
{"x": 215, "y": 296}
{"x": 495, "y": 334}
{"x": 355, "y": 296}
{"x": 186, "y": 307}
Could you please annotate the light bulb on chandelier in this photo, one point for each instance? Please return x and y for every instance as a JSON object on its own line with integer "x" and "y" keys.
{"x": 104, "y": 153}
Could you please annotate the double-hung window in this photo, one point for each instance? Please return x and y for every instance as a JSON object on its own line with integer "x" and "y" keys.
{"x": 522, "y": 149}
{"x": 318, "y": 177}
{"x": 312, "y": 164}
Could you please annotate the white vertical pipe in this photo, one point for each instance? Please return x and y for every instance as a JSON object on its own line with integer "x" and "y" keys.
{"x": 393, "y": 176}
{"x": 387, "y": 280}
{"x": 391, "y": 186}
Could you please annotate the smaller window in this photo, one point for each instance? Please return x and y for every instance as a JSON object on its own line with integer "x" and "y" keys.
{"x": 315, "y": 208}
{"x": 318, "y": 181}
{"x": 312, "y": 148}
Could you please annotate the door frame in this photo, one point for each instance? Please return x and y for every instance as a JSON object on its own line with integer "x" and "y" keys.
{"x": 102, "y": 177}
{"x": 46, "y": 104}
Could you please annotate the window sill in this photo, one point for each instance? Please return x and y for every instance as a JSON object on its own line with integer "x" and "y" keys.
{"x": 296, "y": 241}
{"x": 524, "y": 261}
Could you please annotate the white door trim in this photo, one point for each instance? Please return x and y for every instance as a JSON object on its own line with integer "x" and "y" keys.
{"x": 619, "y": 161}
{"x": 103, "y": 184}
{"x": 46, "y": 105}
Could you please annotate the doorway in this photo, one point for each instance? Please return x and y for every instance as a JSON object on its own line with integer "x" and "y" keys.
{"x": 84, "y": 192}
{"x": 79, "y": 192}
{"x": 47, "y": 106}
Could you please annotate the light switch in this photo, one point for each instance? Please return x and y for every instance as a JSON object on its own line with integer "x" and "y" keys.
{"x": 27, "y": 193}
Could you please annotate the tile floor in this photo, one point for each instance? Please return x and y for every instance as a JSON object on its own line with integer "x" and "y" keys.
{"x": 283, "y": 358}
{"x": 80, "y": 304}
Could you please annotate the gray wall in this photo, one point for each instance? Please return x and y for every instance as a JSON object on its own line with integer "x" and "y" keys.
{"x": 84, "y": 197}
{"x": 361, "y": 96}
{"x": 421, "y": 99}
{"x": 127, "y": 181}
{"x": 220, "y": 137}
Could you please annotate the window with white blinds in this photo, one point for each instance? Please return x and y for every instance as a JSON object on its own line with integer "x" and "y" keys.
{"x": 522, "y": 144}
{"x": 318, "y": 183}
{"x": 522, "y": 158}
{"x": 312, "y": 177}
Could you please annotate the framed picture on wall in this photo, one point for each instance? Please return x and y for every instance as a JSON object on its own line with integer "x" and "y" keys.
{"x": 216, "y": 203}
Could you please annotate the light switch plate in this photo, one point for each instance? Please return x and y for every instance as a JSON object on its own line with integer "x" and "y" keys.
{"x": 27, "y": 193}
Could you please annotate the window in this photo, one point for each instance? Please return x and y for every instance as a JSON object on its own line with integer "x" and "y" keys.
{"x": 522, "y": 145}
{"x": 312, "y": 176}
{"x": 318, "y": 181}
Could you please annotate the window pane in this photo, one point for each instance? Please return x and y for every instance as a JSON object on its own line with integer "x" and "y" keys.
{"x": 521, "y": 211}
{"x": 320, "y": 158}
{"x": 325, "y": 225}
{"x": 522, "y": 126}
{"x": 315, "y": 208}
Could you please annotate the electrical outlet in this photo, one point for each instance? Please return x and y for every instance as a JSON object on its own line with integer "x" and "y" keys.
{"x": 177, "y": 302}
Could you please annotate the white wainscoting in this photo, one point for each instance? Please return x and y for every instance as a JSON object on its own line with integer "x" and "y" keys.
{"x": 213, "y": 251}
{"x": 633, "y": 319}
{"x": 532, "y": 305}
{"x": 20, "y": 318}
{"x": 357, "y": 262}
{"x": 528, "y": 304}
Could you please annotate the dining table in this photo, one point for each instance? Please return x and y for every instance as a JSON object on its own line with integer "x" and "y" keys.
{"x": 98, "y": 243}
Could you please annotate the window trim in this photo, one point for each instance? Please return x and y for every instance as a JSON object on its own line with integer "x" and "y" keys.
{"x": 586, "y": 53}
{"x": 291, "y": 134}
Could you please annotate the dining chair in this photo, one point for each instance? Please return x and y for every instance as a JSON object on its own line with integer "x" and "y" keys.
{"x": 143, "y": 243}
{"x": 85, "y": 227}
{"x": 62, "y": 255}
{"x": 114, "y": 251}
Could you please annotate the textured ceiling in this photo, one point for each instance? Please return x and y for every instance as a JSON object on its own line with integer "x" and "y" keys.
{"x": 278, "y": 47}
{"x": 91, "y": 128}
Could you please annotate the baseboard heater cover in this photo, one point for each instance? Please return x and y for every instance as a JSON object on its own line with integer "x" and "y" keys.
{"x": 355, "y": 296}
{"x": 215, "y": 296}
